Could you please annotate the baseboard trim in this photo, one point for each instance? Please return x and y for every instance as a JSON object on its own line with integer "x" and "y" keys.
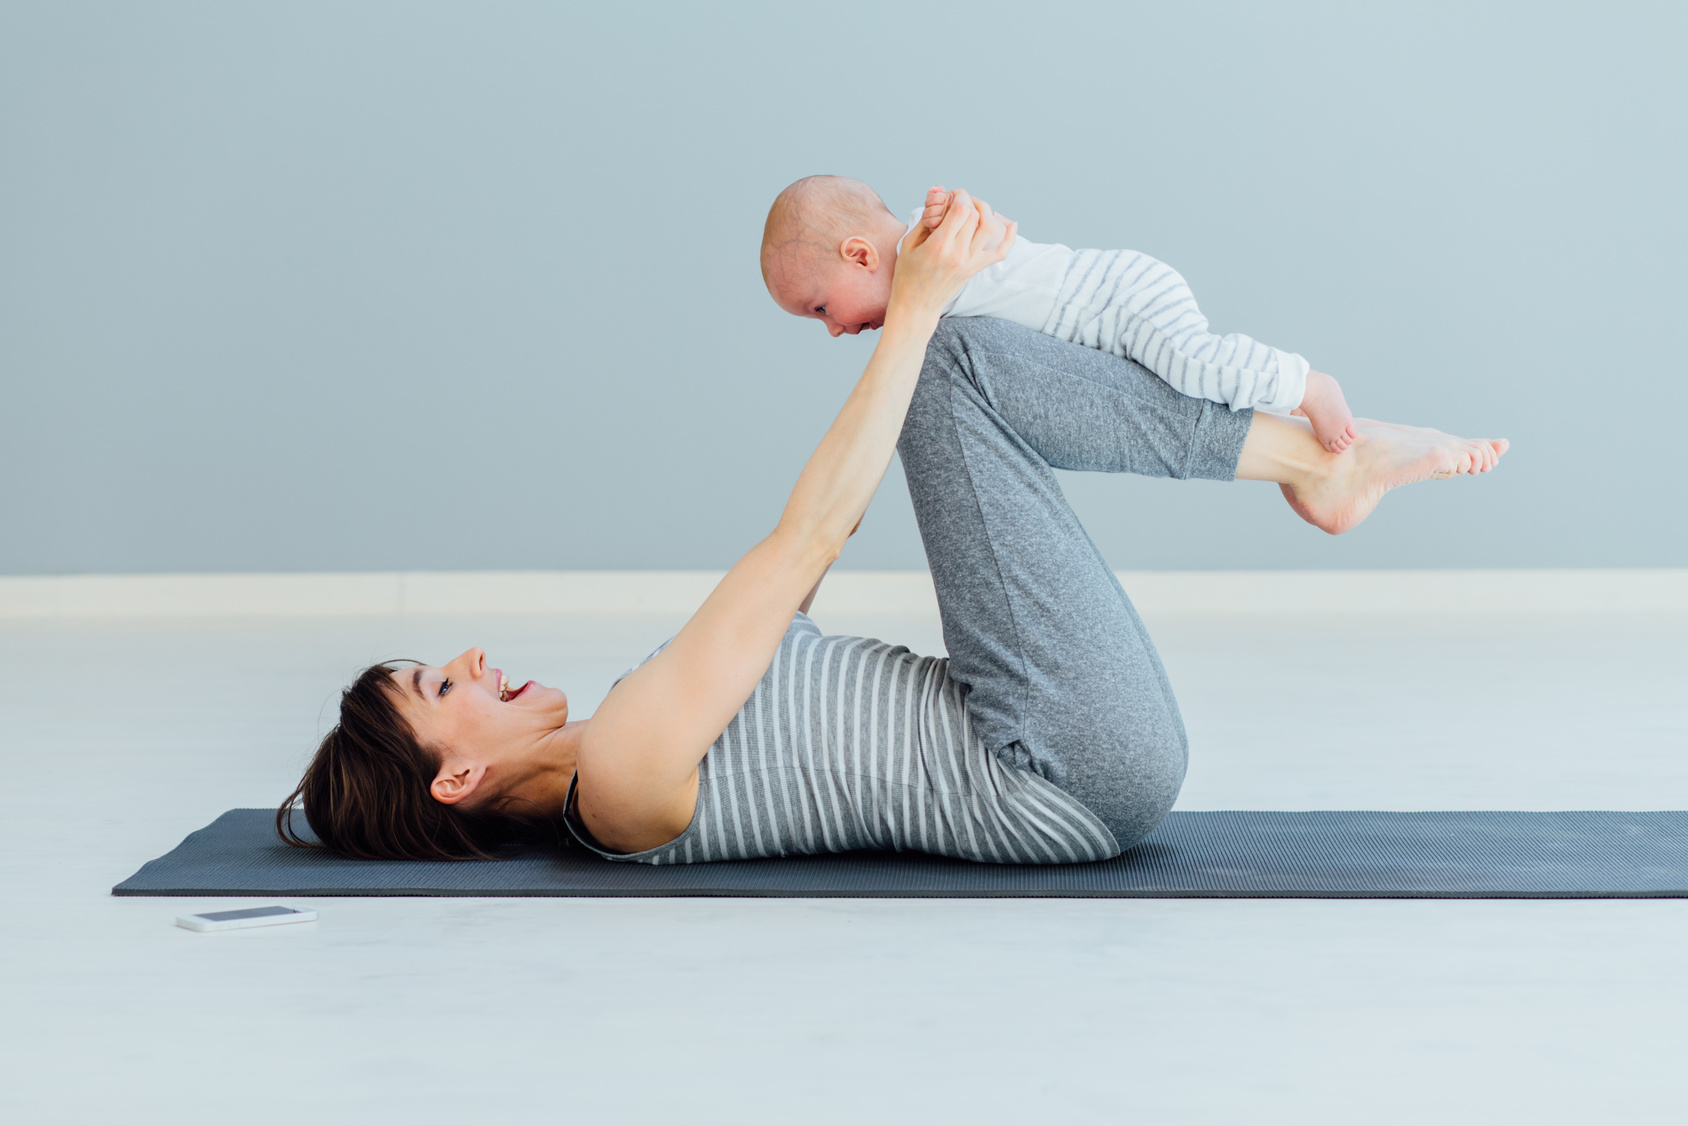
{"x": 845, "y": 592}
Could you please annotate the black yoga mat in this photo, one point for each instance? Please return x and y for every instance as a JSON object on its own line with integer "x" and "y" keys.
{"x": 1578, "y": 854}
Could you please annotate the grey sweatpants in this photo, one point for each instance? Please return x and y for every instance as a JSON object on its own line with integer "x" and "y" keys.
{"x": 1062, "y": 678}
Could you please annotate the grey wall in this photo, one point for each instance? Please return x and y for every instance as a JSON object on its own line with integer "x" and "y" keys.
{"x": 397, "y": 286}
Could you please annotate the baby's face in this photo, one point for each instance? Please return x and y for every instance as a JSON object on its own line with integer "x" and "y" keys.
{"x": 844, "y": 296}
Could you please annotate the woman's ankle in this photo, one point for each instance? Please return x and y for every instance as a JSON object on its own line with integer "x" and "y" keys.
{"x": 1283, "y": 450}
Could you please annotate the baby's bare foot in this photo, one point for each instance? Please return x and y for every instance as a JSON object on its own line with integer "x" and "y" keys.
{"x": 1383, "y": 456}
{"x": 1324, "y": 405}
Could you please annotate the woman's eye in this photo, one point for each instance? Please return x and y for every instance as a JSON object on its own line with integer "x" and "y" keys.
{"x": 445, "y": 686}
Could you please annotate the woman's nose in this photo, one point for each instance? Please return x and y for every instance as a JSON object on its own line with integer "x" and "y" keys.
{"x": 475, "y": 661}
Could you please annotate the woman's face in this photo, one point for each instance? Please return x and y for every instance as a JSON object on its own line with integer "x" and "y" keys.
{"x": 470, "y": 715}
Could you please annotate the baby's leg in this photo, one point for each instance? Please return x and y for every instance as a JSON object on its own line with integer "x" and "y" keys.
{"x": 1324, "y": 406}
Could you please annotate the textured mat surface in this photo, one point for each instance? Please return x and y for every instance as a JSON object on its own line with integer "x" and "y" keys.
{"x": 1579, "y": 854}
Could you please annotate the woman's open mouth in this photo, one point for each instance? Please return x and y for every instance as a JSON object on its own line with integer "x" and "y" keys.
{"x": 504, "y": 692}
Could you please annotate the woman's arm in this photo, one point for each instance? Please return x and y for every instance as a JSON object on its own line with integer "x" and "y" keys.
{"x": 809, "y": 599}
{"x": 638, "y": 760}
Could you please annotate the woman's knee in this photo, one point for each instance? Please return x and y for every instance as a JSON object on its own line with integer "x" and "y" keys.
{"x": 1158, "y": 786}
{"x": 968, "y": 349}
{"x": 1139, "y": 788}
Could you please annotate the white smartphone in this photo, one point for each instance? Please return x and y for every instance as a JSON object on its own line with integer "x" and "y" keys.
{"x": 247, "y": 917}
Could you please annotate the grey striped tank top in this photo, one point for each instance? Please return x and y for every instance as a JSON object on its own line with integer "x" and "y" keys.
{"x": 851, "y": 743}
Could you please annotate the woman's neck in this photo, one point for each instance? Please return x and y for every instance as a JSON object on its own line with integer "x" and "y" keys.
{"x": 541, "y": 788}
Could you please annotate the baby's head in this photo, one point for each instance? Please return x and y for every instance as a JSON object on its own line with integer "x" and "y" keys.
{"x": 829, "y": 251}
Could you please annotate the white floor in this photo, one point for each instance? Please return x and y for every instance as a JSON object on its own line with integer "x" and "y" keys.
{"x": 118, "y": 737}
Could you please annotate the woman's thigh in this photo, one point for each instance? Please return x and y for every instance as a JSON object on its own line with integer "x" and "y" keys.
{"x": 1062, "y": 677}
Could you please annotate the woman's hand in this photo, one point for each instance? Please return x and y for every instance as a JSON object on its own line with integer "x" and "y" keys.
{"x": 934, "y": 264}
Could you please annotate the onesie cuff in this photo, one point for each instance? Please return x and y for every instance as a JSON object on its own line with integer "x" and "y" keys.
{"x": 1292, "y": 383}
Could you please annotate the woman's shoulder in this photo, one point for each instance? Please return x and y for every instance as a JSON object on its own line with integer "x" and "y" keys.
{"x": 801, "y": 625}
{"x": 640, "y": 664}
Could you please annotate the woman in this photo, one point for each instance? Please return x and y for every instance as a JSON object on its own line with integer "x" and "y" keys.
{"x": 1049, "y": 735}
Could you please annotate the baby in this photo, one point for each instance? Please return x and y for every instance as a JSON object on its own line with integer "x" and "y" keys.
{"x": 830, "y": 247}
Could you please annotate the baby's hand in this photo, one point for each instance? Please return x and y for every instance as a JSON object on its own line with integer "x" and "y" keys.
{"x": 937, "y": 203}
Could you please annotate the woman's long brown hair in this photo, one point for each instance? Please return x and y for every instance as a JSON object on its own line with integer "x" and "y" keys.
{"x": 366, "y": 792}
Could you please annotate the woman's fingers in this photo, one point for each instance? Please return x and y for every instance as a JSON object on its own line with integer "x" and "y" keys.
{"x": 1007, "y": 243}
{"x": 968, "y": 232}
{"x": 965, "y": 214}
{"x": 991, "y": 225}
{"x": 999, "y": 237}
{"x": 986, "y": 233}
{"x": 955, "y": 233}
{"x": 995, "y": 233}
{"x": 960, "y": 208}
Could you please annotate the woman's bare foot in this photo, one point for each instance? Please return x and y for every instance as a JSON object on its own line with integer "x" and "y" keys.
{"x": 1342, "y": 492}
{"x": 1324, "y": 406}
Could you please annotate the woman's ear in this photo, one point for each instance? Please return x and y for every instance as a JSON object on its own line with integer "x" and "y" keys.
{"x": 457, "y": 779}
{"x": 859, "y": 251}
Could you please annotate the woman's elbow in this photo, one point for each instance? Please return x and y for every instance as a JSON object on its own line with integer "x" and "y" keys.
{"x": 817, "y": 541}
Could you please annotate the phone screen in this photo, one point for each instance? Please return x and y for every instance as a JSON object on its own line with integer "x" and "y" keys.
{"x": 248, "y": 913}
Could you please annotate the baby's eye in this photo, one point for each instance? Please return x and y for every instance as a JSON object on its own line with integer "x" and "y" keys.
{"x": 445, "y": 686}
{"x": 821, "y": 309}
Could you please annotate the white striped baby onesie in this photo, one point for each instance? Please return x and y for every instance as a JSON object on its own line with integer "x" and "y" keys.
{"x": 1135, "y": 307}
